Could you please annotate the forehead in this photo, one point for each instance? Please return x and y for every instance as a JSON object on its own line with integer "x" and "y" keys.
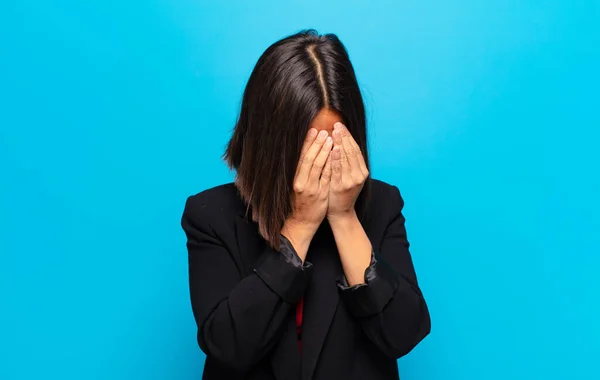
{"x": 325, "y": 120}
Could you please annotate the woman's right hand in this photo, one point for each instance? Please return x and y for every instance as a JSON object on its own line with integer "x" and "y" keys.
{"x": 311, "y": 191}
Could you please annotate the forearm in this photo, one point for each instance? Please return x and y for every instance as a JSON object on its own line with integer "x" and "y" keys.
{"x": 245, "y": 326}
{"x": 353, "y": 245}
{"x": 402, "y": 324}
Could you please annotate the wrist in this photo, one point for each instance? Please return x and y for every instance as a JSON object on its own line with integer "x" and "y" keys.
{"x": 299, "y": 234}
{"x": 342, "y": 218}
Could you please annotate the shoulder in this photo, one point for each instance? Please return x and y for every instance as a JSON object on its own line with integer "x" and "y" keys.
{"x": 385, "y": 203}
{"x": 384, "y": 207}
{"x": 384, "y": 196}
{"x": 219, "y": 202}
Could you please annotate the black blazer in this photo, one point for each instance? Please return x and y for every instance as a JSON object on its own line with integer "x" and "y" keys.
{"x": 244, "y": 294}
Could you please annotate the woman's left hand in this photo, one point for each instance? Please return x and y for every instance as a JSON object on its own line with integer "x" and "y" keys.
{"x": 349, "y": 174}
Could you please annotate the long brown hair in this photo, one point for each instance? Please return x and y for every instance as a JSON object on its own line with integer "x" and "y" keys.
{"x": 292, "y": 81}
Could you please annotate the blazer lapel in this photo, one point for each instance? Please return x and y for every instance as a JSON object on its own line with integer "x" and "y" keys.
{"x": 285, "y": 356}
{"x": 321, "y": 299}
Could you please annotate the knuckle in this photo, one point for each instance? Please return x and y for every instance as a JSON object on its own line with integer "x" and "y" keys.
{"x": 298, "y": 188}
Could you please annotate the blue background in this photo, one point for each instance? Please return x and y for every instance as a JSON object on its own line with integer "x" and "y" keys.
{"x": 484, "y": 113}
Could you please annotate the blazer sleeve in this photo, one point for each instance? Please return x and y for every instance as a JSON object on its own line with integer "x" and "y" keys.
{"x": 390, "y": 305}
{"x": 239, "y": 319}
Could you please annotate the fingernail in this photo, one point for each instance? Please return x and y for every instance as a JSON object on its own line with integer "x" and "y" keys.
{"x": 312, "y": 132}
{"x": 322, "y": 134}
{"x": 329, "y": 140}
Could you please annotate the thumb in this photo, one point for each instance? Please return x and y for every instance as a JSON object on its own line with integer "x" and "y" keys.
{"x": 326, "y": 174}
{"x": 336, "y": 165}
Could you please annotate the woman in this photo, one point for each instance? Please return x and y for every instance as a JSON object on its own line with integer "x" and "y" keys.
{"x": 300, "y": 269}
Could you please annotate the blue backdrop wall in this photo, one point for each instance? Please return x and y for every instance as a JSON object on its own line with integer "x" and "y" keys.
{"x": 484, "y": 113}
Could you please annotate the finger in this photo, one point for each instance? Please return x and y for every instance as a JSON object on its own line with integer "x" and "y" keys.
{"x": 358, "y": 167}
{"x": 311, "y": 135}
{"x": 347, "y": 172}
{"x": 361, "y": 158}
{"x": 326, "y": 175}
{"x": 320, "y": 160}
{"x": 351, "y": 153}
{"x": 306, "y": 163}
{"x": 338, "y": 136}
{"x": 336, "y": 165}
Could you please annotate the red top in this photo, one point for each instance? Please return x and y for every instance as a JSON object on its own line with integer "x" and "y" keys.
{"x": 299, "y": 309}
